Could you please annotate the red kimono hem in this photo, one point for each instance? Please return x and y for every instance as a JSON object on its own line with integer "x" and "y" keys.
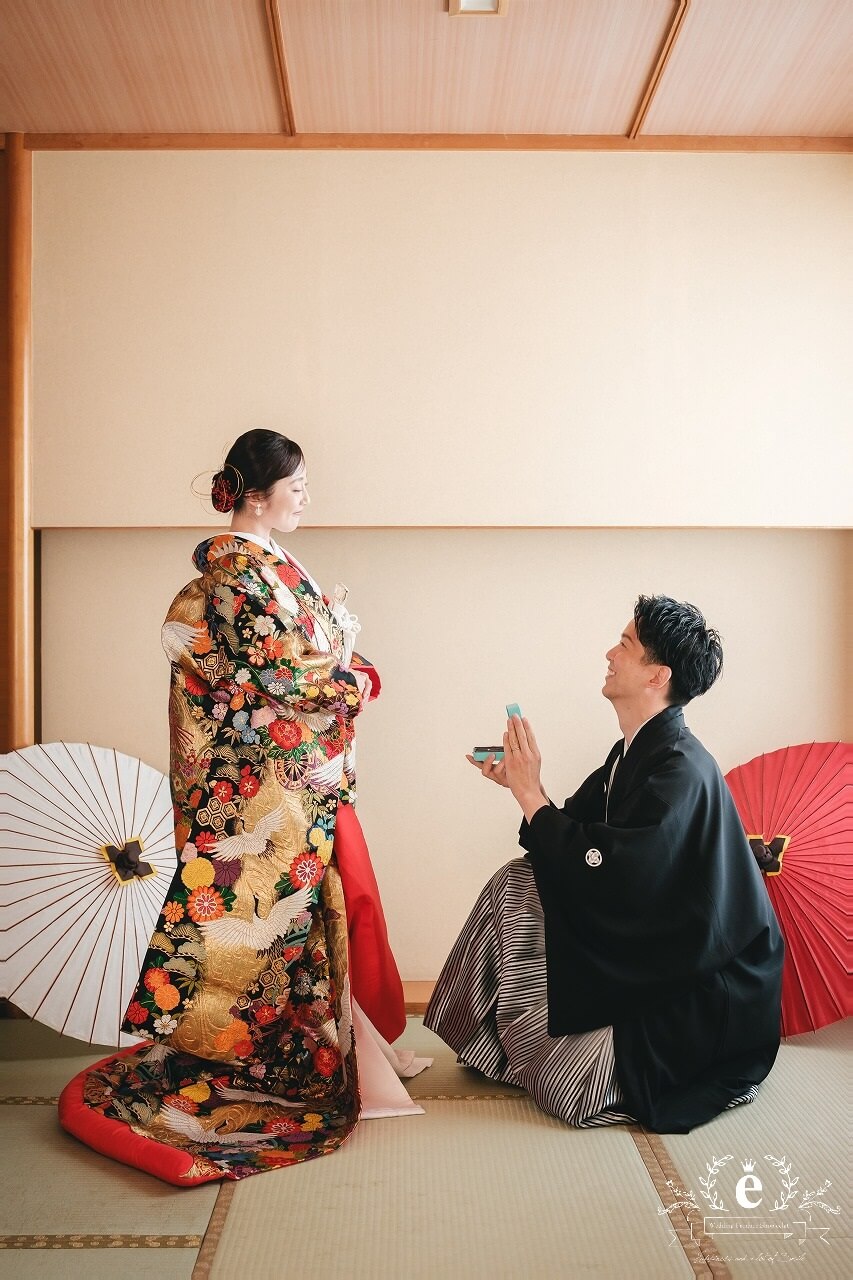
{"x": 117, "y": 1140}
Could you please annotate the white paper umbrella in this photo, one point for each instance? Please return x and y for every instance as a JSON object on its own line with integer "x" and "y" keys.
{"x": 87, "y": 854}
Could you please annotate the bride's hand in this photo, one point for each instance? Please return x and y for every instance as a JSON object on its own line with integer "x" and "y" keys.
{"x": 365, "y": 685}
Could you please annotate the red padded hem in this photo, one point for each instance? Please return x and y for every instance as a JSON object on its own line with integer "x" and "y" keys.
{"x": 117, "y": 1140}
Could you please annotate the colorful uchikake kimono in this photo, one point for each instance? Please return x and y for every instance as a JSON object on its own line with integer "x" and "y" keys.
{"x": 245, "y": 991}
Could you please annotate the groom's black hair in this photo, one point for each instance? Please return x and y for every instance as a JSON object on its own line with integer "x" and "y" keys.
{"x": 676, "y": 635}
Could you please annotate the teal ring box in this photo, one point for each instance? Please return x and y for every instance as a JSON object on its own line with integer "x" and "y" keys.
{"x": 481, "y": 753}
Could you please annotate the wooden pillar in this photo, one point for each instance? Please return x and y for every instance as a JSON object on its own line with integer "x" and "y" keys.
{"x": 17, "y": 580}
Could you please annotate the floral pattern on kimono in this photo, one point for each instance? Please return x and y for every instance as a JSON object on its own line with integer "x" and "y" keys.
{"x": 244, "y": 989}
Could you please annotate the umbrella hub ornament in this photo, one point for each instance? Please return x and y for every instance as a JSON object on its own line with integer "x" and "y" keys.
{"x": 126, "y": 861}
{"x": 769, "y": 854}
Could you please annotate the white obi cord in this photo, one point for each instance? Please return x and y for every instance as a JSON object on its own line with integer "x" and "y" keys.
{"x": 348, "y": 622}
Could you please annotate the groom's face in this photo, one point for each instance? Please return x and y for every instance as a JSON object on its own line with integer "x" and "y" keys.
{"x": 628, "y": 671}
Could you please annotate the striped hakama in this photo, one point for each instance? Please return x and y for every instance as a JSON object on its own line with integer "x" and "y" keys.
{"x": 490, "y": 1005}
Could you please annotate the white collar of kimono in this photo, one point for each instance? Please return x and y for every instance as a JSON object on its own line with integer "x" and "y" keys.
{"x": 270, "y": 545}
{"x": 267, "y": 543}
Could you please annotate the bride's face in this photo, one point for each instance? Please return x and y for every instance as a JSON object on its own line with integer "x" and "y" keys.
{"x": 287, "y": 500}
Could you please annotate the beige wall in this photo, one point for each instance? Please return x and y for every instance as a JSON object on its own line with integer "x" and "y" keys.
{"x": 456, "y": 338}
{"x": 459, "y": 623}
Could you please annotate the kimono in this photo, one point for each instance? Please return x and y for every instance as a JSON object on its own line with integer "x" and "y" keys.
{"x": 245, "y": 993}
{"x": 657, "y": 923}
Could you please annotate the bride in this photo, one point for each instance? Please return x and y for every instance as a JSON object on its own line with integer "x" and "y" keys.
{"x": 270, "y": 961}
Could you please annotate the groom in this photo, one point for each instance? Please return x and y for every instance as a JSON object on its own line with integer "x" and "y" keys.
{"x": 657, "y": 926}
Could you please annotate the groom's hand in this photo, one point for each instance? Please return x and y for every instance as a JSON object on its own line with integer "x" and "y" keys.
{"x": 523, "y": 766}
{"x": 490, "y": 768}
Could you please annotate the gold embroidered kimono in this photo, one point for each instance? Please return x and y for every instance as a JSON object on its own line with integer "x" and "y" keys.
{"x": 244, "y": 989}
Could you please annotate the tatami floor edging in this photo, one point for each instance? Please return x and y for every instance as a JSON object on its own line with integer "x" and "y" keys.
{"x": 213, "y": 1234}
{"x": 78, "y": 1241}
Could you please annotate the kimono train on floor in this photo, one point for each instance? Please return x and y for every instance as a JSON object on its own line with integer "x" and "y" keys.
{"x": 245, "y": 995}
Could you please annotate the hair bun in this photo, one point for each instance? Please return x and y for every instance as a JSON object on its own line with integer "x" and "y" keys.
{"x": 222, "y": 495}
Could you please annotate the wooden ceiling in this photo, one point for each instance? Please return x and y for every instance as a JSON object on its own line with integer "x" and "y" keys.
{"x": 404, "y": 72}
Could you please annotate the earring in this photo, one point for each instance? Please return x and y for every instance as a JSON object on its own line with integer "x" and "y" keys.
{"x": 258, "y": 508}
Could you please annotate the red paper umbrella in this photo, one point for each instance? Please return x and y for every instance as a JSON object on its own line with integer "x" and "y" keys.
{"x": 797, "y": 807}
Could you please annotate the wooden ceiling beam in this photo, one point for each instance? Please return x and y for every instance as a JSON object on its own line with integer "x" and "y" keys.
{"x": 423, "y": 142}
{"x": 675, "y": 26}
{"x": 280, "y": 59}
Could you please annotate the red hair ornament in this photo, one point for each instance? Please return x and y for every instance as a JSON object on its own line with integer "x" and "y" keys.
{"x": 223, "y": 492}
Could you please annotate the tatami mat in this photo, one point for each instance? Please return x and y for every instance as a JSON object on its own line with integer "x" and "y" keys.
{"x": 801, "y": 1116}
{"x": 98, "y": 1264}
{"x": 481, "y": 1186}
{"x": 446, "y": 1079}
{"x": 65, "y": 1211}
{"x": 484, "y": 1190}
{"x": 56, "y": 1185}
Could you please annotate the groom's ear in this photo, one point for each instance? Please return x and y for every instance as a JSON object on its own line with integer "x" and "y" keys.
{"x": 661, "y": 677}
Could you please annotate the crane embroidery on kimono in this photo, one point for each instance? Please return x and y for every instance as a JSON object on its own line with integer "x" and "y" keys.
{"x": 256, "y": 841}
{"x": 181, "y": 1122}
{"x": 260, "y": 934}
{"x": 175, "y": 637}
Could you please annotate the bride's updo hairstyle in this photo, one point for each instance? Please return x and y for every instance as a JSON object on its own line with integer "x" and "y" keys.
{"x": 256, "y": 461}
